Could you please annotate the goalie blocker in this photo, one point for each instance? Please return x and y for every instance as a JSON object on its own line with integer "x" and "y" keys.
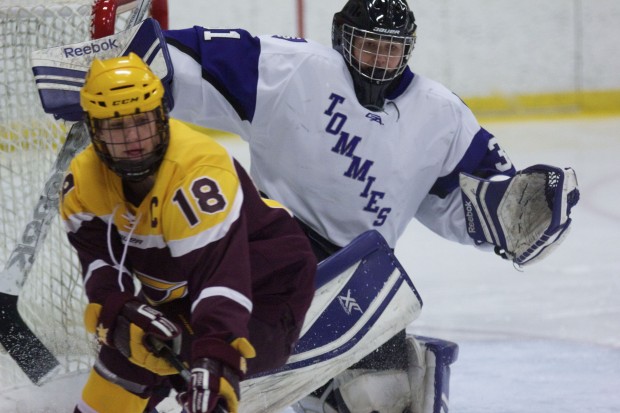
{"x": 525, "y": 216}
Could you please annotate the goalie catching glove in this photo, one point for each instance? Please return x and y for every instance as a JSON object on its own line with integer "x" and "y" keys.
{"x": 125, "y": 323}
{"x": 525, "y": 216}
{"x": 216, "y": 373}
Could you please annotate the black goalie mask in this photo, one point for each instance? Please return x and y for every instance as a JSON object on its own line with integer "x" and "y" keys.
{"x": 376, "y": 38}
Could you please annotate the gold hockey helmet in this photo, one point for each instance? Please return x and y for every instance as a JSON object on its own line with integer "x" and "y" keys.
{"x": 120, "y": 86}
{"x": 126, "y": 115}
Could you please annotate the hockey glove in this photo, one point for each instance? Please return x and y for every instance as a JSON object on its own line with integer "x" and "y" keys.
{"x": 125, "y": 323}
{"x": 215, "y": 379}
{"x": 526, "y": 216}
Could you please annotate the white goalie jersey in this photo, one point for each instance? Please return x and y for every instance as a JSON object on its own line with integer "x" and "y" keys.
{"x": 340, "y": 167}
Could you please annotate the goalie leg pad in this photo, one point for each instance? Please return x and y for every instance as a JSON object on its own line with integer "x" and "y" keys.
{"x": 525, "y": 216}
{"x": 423, "y": 388}
{"x": 429, "y": 373}
{"x": 365, "y": 297}
{"x": 363, "y": 391}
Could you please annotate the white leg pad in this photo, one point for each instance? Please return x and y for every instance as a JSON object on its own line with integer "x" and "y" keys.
{"x": 417, "y": 374}
{"x": 312, "y": 404}
{"x": 429, "y": 373}
{"x": 365, "y": 391}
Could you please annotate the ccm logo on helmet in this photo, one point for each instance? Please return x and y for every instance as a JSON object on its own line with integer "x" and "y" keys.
{"x": 124, "y": 101}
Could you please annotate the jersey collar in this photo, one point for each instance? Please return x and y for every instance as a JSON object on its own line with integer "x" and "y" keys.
{"x": 405, "y": 80}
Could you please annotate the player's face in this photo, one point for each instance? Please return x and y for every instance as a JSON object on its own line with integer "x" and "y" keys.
{"x": 132, "y": 137}
{"x": 374, "y": 53}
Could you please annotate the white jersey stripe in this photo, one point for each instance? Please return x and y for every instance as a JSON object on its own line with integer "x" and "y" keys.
{"x": 224, "y": 292}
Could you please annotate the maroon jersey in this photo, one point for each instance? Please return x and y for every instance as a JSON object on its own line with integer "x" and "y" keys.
{"x": 202, "y": 241}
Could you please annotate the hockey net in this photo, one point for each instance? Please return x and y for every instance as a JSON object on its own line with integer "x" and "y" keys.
{"x": 52, "y": 299}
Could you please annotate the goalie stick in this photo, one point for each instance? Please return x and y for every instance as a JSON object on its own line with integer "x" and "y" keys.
{"x": 15, "y": 336}
{"x": 30, "y": 354}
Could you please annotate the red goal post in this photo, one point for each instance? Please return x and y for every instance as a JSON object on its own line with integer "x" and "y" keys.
{"x": 105, "y": 12}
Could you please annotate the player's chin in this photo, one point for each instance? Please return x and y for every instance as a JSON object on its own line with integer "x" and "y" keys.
{"x": 134, "y": 155}
{"x": 378, "y": 74}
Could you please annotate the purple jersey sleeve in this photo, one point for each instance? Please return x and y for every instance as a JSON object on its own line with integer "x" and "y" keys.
{"x": 483, "y": 158}
{"x": 229, "y": 60}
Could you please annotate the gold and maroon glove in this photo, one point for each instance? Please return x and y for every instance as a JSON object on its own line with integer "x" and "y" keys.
{"x": 125, "y": 323}
{"x": 215, "y": 379}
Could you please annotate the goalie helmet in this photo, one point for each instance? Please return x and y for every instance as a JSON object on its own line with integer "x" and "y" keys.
{"x": 376, "y": 38}
{"x": 126, "y": 115}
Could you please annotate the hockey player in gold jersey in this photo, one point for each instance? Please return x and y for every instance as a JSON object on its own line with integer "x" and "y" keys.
{"x": 222, "y": 274}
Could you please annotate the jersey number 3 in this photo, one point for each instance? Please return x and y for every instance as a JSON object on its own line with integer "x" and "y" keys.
{"x": 207, "y": 196}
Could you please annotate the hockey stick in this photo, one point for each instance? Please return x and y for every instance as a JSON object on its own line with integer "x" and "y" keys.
{"x": 15, "y": 336}
{"x": 164, "y": 351}
{"x": 30, "y": 354}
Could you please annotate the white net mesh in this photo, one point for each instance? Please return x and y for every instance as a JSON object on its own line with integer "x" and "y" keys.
{"x": 52, "y": 299}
